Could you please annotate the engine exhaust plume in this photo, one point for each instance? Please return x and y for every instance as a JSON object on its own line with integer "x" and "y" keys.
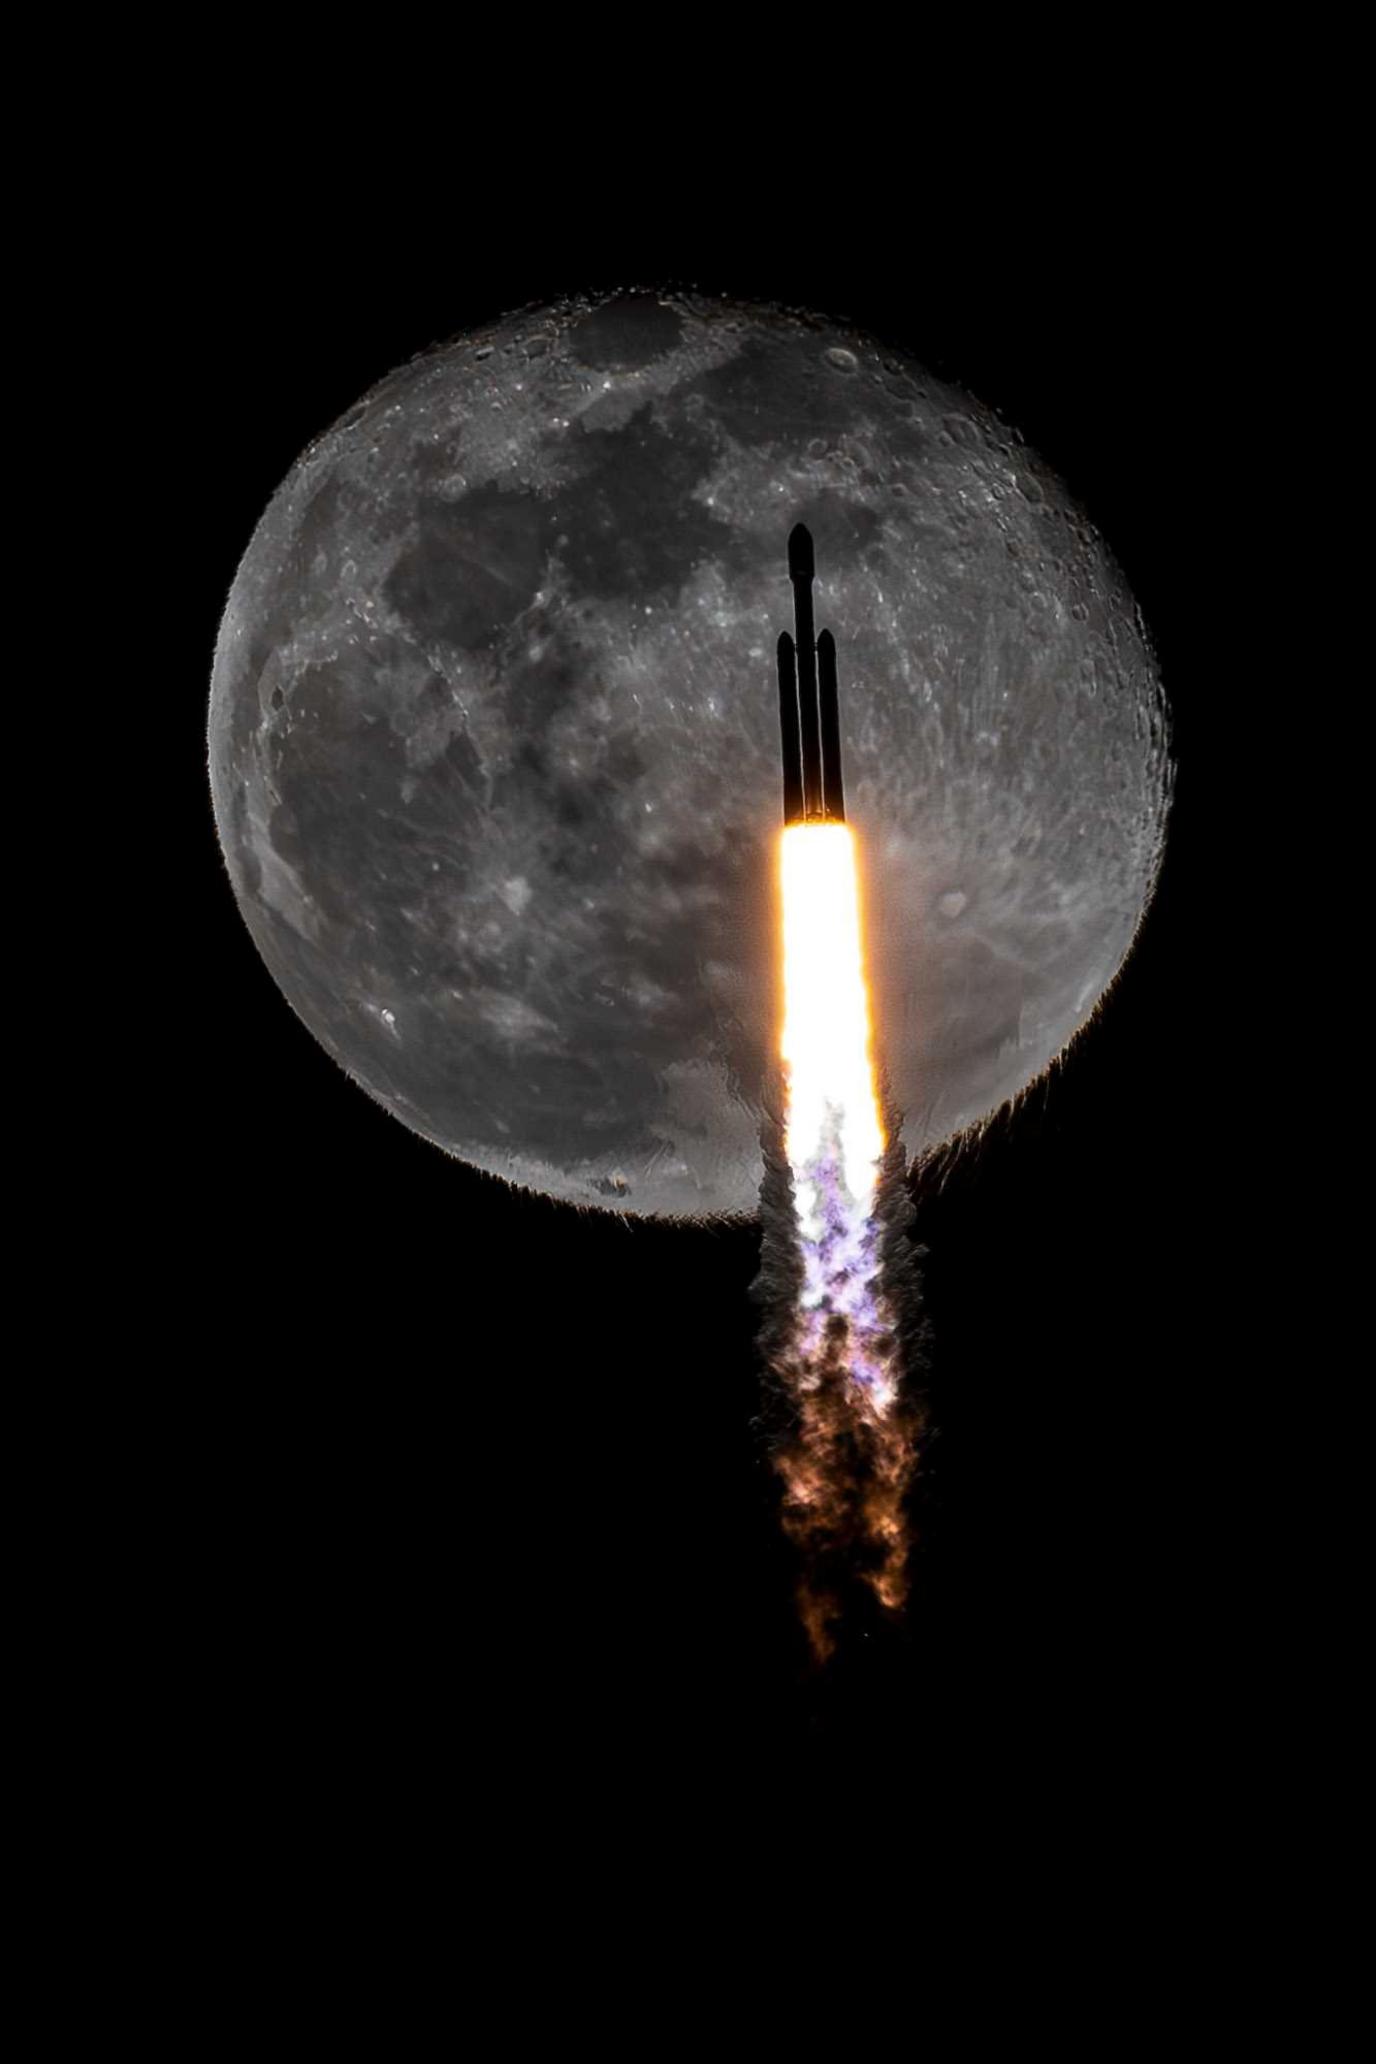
{"x": 842, "y": 1332}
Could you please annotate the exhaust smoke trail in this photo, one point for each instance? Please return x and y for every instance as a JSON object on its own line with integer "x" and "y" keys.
{"x": 838, "y": 1274}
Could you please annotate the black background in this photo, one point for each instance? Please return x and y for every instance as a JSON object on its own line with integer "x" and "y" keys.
{"x": 458, "y": 1465}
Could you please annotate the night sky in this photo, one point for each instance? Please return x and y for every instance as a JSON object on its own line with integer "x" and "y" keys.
{"x": 471, "y": 1468}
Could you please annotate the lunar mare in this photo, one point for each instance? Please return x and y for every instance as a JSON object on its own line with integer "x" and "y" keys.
{"x": 494, "y": 751}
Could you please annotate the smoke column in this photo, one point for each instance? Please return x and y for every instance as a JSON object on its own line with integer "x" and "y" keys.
{"x": 838, "y": 1281}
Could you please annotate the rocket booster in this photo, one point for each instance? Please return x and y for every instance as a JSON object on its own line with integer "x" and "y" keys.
{"x": 809, "y": 714}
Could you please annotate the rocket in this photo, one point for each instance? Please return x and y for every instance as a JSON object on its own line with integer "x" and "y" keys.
{"x": 809, "y": 715}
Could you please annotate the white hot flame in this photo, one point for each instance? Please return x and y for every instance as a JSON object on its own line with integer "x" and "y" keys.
{"x": 827, "y": 1037}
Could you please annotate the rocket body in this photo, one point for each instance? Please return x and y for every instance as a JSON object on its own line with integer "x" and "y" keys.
{"x": 809, "y": 709}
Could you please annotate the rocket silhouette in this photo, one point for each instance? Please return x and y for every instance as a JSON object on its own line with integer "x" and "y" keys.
{"x": 809, "y": 713}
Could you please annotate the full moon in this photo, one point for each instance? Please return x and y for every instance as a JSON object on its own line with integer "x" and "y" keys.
{"x": 494, "y": 747}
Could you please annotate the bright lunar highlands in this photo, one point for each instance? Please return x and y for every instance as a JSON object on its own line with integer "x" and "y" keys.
{"x": 494, "y": 743}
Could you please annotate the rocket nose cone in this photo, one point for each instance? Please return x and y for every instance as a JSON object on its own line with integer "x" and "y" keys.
{"x": 800, "y": 566}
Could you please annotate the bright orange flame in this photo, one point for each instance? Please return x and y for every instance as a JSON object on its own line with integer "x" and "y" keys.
{"x": 827, "y": 1033}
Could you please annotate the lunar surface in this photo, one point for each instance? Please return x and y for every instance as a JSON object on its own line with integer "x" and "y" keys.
{"x": 494, "y": 746}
